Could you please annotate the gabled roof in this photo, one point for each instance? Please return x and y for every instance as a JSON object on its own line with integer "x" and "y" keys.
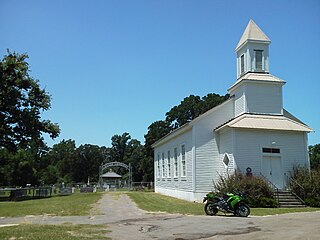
{"x": 258, "y": 77}
{"x": 267, "y": 122}
{"x": 186, "y": 127}
{"x": 111, "y": 175}
{"x": 252, "y": 33}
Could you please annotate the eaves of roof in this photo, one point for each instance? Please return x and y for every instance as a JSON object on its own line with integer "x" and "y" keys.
{"x": 258, "y": 78}
{"x": 188, "y": 126}
{"x": 266, "y": 122}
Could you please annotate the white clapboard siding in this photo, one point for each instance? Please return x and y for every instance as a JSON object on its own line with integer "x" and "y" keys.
{"x": 249, "y": 143}
{"x": 226, "y": 148}
{"x": 207, "y": 161}
{"x": 239, "y": 101}
{"x": 264, "y": 98}
{"x": 179, "y": 183}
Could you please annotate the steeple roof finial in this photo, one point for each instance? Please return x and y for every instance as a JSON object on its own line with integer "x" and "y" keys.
{"x": 252, "y": 33}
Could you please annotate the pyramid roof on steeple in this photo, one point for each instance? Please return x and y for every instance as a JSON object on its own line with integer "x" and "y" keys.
{"x": 252, "y": 33}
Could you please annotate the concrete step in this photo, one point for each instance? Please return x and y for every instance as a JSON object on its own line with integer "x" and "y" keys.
{"x": 288, "y": 200}
{"x": 291, "y": 206}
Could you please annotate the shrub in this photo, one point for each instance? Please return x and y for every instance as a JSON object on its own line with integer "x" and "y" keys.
{"x": 257, "y": 191}
{"x": 310, "y": 181}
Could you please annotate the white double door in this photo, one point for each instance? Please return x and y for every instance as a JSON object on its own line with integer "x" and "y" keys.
{"x": 272, "y": 169}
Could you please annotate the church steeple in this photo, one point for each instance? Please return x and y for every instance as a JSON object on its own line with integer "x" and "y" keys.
{"x": 252, "y": 51}
{"x": 255, "y": 91}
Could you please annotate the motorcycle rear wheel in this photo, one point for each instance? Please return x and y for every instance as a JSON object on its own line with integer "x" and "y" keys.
{"x": 211, "y": 209}
{"x": 242, "y": 210}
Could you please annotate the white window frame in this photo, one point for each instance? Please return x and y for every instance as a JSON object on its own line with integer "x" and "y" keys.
{"x": 158, "y": 166}
{"x": 163, "y": 166}
{"x": 169, "y": 164}
{"x": 183, "y": 160}
{"x": 226, "y": 155}
{"x": 271, "y": 153}
{"x": 242, "y": 57}
{"x": 255, "y": 60}
{"x": 175, "y": 163}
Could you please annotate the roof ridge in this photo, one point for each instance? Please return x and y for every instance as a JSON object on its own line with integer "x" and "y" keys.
{"x": 254, "y": 33}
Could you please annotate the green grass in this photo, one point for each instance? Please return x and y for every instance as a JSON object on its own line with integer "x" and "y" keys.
{"x": 54, "y": 232}
{"x": 154, "y": 202}
{"x": 77, "y": 204}
{"x": 274, "y": 211}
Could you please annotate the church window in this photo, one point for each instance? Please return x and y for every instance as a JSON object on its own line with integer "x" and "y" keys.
{"x": 158, "y": 166}
{"x": 169, "y": 164}
{"x": 242, "y": 63}
{"x": 258, "y": 57}
{"x": 163, "y": 166}
{"x": 271, "y": 150}
{"x": 226, "y": 160}
{"x": 175, "y": 173}
{"x": 183, "y": 161}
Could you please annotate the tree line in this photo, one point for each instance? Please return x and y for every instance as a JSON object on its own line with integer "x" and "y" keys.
{"x": 26, "y": 159}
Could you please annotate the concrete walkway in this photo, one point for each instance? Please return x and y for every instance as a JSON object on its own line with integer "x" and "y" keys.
{"x": 126, "y": 221}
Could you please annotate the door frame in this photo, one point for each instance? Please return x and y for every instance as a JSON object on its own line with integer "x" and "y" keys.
{"x": 264, "y": 154}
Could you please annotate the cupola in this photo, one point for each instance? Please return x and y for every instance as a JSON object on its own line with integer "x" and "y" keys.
{"x": 256, "y": 91}
{"x": 252, "y": 51}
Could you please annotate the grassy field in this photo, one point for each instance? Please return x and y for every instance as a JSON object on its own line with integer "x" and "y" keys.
{"x": 77, "y": 204}
{"x": 154, "y": 202}
{"x": 54, "y": 232}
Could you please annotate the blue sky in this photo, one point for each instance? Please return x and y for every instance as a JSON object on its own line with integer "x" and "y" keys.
{"x": 117, "y": 66}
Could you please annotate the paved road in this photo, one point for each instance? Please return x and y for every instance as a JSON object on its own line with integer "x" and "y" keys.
{"x": 128, "y": 222}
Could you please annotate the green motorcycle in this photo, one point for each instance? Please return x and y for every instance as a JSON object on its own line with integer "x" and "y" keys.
{"x": 229, "y": 203}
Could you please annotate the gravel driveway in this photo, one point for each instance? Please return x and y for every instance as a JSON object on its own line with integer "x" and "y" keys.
{"x": 128, "y": 222}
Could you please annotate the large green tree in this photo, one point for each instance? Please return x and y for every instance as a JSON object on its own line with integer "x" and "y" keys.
{"x": 314, "y": 153}
{"x": 119, "y": 144}
{"x": 19, "y": 168}
{"x": 187, "y": 110}
{"x": 21, "y": 103}
{"x": 57, "y": 164}
{"x": 156, "y": 131}
{"x": 192, "y": 107}
{"x": 87, "y": 163}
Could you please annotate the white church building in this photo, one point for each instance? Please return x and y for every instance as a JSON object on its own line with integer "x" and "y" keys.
{"x": 251, "y": 130}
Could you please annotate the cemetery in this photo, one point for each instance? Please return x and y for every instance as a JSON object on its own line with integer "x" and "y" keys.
{"x": 19, "y": 194}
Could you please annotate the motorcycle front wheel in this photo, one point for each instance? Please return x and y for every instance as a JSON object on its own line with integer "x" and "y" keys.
{"x": 211, "y": 209}
{"x": 242, "y": 210}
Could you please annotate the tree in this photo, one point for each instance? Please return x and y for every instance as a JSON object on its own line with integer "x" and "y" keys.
{"x": 88, "y": 160}
{"x": 156, "y": 131}
{"x": 135, "y": 154}
{"x": 119, "y": 145}
{"x": 57, "y": 164}
{"x": 314, "y": 153}
{"x": 18, "y": 168}
{"x": 187, "y": 110}
{"x": 192, "y": 107}
{"x": 21, "y": 103}
{"x": 212, "y": 100}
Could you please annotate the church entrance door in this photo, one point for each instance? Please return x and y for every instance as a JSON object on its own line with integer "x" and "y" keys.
{"x": 271, "y": 169}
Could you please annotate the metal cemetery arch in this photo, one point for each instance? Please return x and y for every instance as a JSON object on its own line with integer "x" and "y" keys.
{"x": 116, "y": 164}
